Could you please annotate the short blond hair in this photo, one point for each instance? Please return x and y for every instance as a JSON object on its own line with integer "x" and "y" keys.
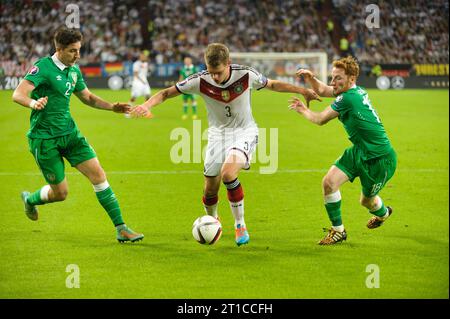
{"x": 217, "y": 54}
{"x": 349, "y": 65}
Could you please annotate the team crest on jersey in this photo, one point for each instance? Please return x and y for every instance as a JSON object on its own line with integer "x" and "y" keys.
{"x": 239, "y": 88}
{"x": 339, "y": 98}
{"x": 51, "y": 177}
{"x": 225, "y": 95}
{"x": 74, "y": 77}
{"x": 34, "y": 70}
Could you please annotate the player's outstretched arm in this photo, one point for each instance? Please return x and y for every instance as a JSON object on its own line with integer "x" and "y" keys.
{"x": 158, "y": 98}
{"x": 89, "y": 98}
{"x": 280, "y": 86}
{"x": 318, "y": 86}
{"x": 319, "y": 118}
{"x": 21, "y": 96}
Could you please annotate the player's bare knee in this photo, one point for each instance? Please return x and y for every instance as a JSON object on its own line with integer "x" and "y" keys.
{"x": 98, "y": 177}
{"x": 228, "y": 175}
{"x": 367, "y": 202}
{"x": 328, "y": 185}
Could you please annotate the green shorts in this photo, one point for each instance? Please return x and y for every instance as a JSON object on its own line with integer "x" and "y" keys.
{"x": 187, "y": 97}
{"x": 49, "y": 154}
{"x": 373, "y": 173}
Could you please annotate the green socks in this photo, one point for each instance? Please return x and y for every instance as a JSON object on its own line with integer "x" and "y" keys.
{"x": 35, "y": 198}
{"x": 381, "y": 211}
{"x": 39, "y": 197}
{"x": 333, "y": 207}
{"x": 334, "y": 213}
{"x": 108, "y": 200}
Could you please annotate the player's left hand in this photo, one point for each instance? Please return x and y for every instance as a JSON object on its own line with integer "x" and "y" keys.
{"x": 311, "y": 95}
{"x": 121, "y": 107}
{"x": 297, "y": 105}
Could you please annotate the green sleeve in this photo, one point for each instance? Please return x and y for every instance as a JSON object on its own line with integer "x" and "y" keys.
{"x": 37, "y": 74}
{"x": 340, "y": 104}
{"x": 81, "y": 85}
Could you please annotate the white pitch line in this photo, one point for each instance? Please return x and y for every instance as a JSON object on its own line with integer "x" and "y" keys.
{"x": 254, "y": 171}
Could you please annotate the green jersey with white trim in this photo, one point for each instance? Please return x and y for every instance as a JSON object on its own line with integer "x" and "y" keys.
{"x": 51, "y": 78}
{"x": 362, "y": 123}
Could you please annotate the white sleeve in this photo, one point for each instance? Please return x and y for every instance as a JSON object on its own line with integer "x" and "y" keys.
{"x": 191, "y": 85}
{"x": 257, "y": 80}
{"x": 135, "y": 67}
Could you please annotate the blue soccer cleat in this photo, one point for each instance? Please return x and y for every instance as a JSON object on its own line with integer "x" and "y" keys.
{"x": 242, "y": 236}
{"x": 30, "y": 210}
{"x": 124, "y": 233}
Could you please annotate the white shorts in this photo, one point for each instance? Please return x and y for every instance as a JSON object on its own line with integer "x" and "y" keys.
{"x": 140, "y": 89}
{"x": 242, "y": 144}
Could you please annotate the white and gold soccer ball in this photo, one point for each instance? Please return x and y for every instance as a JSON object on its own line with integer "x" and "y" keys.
{"x": 207, "y": 230}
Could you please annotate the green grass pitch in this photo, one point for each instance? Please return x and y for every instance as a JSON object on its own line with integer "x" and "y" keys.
{"x": 284, "y": 211}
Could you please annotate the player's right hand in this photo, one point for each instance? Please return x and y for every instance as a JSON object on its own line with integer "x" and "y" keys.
{"x": 307, "y": 74}
{"x": 40, "y": 103}
{"x": 140, "y": 111}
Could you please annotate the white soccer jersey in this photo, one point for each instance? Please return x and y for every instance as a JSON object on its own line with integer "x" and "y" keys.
{"x": 227, "y": 104}
{"x": 142, "y": 69}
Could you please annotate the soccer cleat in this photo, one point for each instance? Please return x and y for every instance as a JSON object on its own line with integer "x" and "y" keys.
{"x": 127, "y": 234}
{"x": 30, "y": 210}
{"x": 376, "y": 222}
{"x": 242, "y": 236}
{"x": 194, "y": 117}
{"x": 333, "y": 237}
{"x": 184, "y": 117}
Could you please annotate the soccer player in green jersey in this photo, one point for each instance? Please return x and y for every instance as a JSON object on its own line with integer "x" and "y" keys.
{"x": 371, "y": 158}
{"x": 186, "y": 71}
{"x": 53, "y": 133}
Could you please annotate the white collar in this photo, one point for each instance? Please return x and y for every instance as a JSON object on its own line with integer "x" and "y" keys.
{"x": 58, "y": 63}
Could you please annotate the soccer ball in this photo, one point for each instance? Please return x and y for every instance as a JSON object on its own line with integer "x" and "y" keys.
{"x": 207, "y": 230}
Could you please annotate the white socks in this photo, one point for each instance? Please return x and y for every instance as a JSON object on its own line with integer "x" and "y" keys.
{"x": 237, "y": 209}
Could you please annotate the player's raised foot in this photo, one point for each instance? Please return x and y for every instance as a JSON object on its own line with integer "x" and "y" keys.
{"x": 194, "y": 117}
{"x": 242, "y": 236}
{"x": 333, "y": 237}
{"x": 125, "y": 233}
{"x": 376, "y": 221}
{"x": 30, "y": 210}
{"x": 184, "y": 117}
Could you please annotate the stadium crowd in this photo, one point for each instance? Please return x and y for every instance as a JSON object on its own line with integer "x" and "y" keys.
{"x": 409, "y": 32}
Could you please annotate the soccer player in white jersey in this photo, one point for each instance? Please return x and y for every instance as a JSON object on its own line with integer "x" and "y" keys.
{"x": 140, "y": 85}
{"x": 232, "y": 132}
